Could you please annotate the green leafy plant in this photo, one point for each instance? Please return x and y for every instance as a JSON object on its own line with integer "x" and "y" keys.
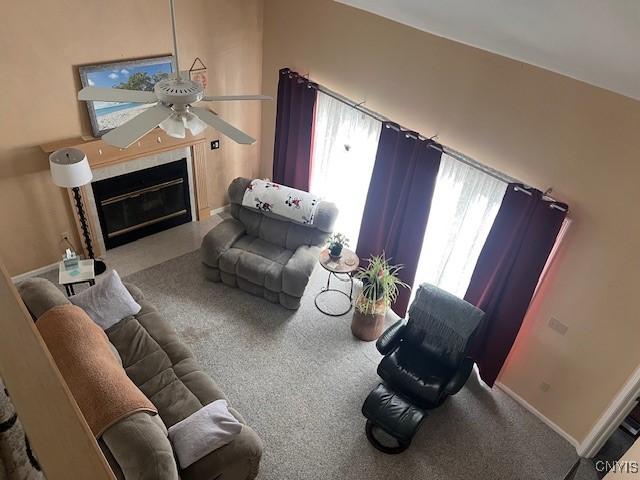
{"x": 336, "y": 242}
{"x": 380, "y": 284}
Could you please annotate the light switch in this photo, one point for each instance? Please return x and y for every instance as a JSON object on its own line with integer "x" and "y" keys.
{"x": 558, "y": 326}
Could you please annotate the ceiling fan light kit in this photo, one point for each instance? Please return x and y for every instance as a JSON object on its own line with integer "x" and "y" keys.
{"x": 177, "y": 125}
{"x": 172, "y": 111}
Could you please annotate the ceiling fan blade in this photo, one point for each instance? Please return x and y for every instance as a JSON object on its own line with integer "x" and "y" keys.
{"x": 116, "y": 95}
{"x": 225, "y": 98}
{"x": 129, "y": 132}
{"x": 229, "y": 130}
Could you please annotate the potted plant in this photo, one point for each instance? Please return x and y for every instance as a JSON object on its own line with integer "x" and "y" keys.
{"x": 336, "y": 243}
{"x": 380, "y": 286}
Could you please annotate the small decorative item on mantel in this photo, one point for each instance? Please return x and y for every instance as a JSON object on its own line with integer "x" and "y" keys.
{"x": 336, "y": 243}
{"x": 380, "y": 285}
{"x": 198, "y": 73}
{"x": 70, "y": 259}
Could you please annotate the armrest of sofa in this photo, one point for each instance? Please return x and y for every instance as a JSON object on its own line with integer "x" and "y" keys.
{"x": 140, "y": 447}
{"x": 219, "y": 239}
{"x": 391, "y": 337}
{"x": 461, "y": 376}
{"x": 40, "y": 295}
{"x": 296, "y": 273}
{"x": 134, "y": 291}
{"x": 238, "y": 460}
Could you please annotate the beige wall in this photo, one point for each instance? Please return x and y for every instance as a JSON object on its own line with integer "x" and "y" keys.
{"x": 543, "y": 128}
{"x": 41, "y": 44}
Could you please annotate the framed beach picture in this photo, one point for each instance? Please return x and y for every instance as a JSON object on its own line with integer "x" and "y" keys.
{"x": 140, "y": 74}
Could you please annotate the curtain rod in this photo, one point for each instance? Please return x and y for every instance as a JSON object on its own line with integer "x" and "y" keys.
{"x": 443, "y": 148}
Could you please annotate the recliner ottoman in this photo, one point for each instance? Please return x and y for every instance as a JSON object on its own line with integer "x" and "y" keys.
{"x": 395, "y": 415}
{"x": 263, "y": 253}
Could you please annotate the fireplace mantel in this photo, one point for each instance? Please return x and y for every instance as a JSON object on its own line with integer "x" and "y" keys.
{"x": 101, "y": 155}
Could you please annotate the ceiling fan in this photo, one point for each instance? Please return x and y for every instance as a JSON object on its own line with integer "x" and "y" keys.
{"x": 173, "y": 111}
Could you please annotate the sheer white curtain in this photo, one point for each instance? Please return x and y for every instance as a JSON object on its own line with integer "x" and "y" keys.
{"x": 464, "y": 206}
{"x": 345, "y": 142}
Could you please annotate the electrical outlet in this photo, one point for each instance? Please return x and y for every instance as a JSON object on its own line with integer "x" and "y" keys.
{"x": 558, "y": 326}
{"x": 215, "y": 144}
{"x": 545, "y": 387}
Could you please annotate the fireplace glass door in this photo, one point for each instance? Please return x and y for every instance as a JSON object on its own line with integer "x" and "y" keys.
{"x": 144, "y": 202}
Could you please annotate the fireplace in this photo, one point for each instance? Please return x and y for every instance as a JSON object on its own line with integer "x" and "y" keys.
{"x": 143, "y": 202}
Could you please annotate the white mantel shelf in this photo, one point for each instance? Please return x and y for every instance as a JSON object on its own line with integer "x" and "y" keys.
{"x": 101, "y": 155}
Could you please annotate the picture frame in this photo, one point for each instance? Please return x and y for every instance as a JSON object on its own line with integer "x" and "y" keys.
{"x": 198, "y": 73}
{"x": 140, "y": 74}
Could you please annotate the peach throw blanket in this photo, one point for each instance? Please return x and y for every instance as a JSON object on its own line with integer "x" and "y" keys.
{"x": 96, "y": 379}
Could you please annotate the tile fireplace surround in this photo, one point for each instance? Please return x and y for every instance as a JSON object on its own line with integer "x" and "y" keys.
{"x": 153, "y": 149}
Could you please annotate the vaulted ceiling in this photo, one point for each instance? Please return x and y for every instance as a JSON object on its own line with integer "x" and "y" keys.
{"x": 596, "y": 41}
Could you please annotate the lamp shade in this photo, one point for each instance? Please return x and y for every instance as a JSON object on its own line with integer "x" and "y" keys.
{"x": 70, "y": 168}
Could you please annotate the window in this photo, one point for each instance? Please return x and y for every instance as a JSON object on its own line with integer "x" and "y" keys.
{"x": 345, "y": 142}
{"x": 464, "y": 206}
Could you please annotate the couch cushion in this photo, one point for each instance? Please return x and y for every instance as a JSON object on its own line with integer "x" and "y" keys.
{"x": 260, "y": 271}
{"x": 264, "y": 249}
{"x": 256, "y": 261}
{"x": 251, "y": 220}
{"x": 274, "y": 231}
{"x": 298, "y": 235}
{"x": 161, "y": 365}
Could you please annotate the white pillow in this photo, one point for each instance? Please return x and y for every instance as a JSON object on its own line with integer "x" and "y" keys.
{"x": 204, "y": 431}
{"x": 107, "y": 302}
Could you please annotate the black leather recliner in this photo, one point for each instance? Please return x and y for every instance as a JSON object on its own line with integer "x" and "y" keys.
{"x": 419, "y": 371}
{"x": 425, "y": 362}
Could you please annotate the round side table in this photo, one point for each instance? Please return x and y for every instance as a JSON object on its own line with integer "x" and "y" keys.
{"x": 341, "y": 269}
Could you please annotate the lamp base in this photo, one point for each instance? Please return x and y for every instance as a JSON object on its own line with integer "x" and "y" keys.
{"x": 99, "y": 267}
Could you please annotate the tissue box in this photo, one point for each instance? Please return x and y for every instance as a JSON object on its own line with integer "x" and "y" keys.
{"x": 70, "y": 260}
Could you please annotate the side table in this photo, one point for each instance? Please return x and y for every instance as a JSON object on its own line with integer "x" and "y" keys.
{"x": 342, "y": 269}
{"x": 83, "y": 273}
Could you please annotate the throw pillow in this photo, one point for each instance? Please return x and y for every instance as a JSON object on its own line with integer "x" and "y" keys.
{"x": 206, "y": 430}
{"x": 107, "y": 302}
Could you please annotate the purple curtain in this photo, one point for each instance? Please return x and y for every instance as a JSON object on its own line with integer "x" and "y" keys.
{"x": 398, "y": 202}
{"x": 508, "y": 270}
{"x": 294, "y": 130}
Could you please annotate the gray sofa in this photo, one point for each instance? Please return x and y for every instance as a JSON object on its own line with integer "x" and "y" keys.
{"x": 265, "y": 254}
{"x": 164, "y": 369}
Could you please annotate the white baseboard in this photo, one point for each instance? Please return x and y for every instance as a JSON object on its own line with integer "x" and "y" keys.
{"x": 34, "y": 273}
{"x": 540, "y": 416}
{"x": 216, "y": 211}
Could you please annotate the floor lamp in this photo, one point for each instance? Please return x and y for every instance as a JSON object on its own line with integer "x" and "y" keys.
{"x": 70, "y": 169}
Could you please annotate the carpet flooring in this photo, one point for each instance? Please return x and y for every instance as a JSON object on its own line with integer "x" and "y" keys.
{"x": 299, "y": 378}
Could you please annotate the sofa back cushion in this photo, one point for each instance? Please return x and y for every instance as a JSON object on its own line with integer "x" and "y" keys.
{"x": 277, "y": 230}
